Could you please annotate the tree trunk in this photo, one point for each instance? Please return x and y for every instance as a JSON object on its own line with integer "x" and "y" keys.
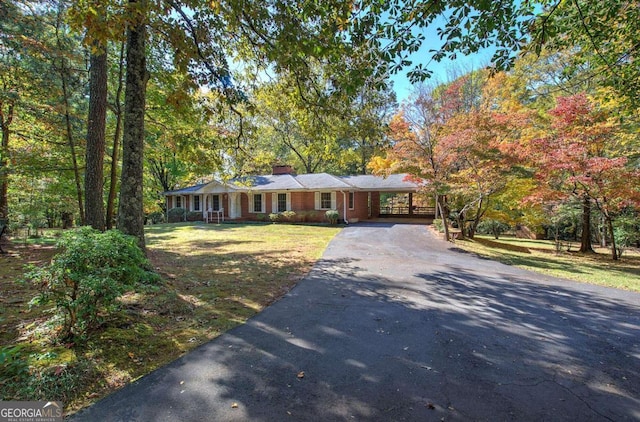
{"x": 94, "y": 171}
{"x": 443, "y": 214}
{"x": 5, "y": 122}
{"x": 614, "y": 250}
{"x": 585, "y": 241}
{"x": 116, "y": 144}
{"x": 72, "y": 145}
{"x": 130, "y": 209}
{"x": 476, "y": 221}
{"x": 461, "y": 225}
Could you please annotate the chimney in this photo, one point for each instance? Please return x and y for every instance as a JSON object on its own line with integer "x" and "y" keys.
{"x": 282, "y": 170}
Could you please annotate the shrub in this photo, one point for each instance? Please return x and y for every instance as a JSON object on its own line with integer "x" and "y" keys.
{"x": 437, "y": 223}
{"x": 13, "y": 365}
{"x": 176, "y": 214}
{"x": 261, "y": 217}
{"x": 626, "y": 232}
{"x": 494, "y": 227}
{"x": 289, "y": 215}
{"x": 86, "y": 278}
{"x": 274, "y": 217}
{"x": 332, "y": 216}
{"x": 194, "y": 216}
{"x": 156, "y": 217}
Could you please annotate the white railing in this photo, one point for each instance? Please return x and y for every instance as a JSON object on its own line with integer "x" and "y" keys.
{"x": 218, "y": 213}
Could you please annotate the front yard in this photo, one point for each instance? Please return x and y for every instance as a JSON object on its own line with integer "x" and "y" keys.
{"x": 214, "y": 278}
{"x": 541, "y": 256}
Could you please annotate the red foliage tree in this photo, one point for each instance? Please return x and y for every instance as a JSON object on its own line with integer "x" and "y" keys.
{"x": 578, "y": 160}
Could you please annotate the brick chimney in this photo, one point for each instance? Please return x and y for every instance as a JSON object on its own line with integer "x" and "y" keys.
{"x": 282, "y": 170}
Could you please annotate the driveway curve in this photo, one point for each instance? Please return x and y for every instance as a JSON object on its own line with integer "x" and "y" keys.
{"x": 395, "y": 325}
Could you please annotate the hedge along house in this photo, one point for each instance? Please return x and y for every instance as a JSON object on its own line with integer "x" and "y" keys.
{"x": 308, "y": 195}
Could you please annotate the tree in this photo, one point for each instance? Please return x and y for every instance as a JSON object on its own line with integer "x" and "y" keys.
{"x": 299, "y": 120}
{"x": 480, "y": 166}
{"x": 364, "y": 122}
{"x": 576, "y": 160}
{"x": 97, "y": 116}
{"x": 96, "y": 127}
{"x": 130, "y": 211}
{"x": 42, "y": 73}
{"x": 271, "y": 32}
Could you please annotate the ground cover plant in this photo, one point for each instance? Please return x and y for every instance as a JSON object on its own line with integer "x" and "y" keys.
{"x": 543, "y": 256}
{"x": 214, "y": 277}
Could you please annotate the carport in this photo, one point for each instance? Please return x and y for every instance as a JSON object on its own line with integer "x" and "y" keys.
{"x": 406, "y": 205}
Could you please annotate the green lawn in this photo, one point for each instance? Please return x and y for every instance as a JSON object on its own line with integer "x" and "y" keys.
{"x": 541, "y": 256}
{"x": 214, "y": 278}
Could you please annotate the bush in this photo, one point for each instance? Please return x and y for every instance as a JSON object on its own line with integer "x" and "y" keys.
{"x": 494, "y": 227}
{"x": 437, "y": 223}
{"x": 290, "y": 216}
{"x": 156, "y": 217}
{"x": 176, "y": 215}
{"x": 305, "y": 216}
{"x": 332, "y": 216}
{"x": 86, "y": 278}
{"x": 261, "y": 217}
{"x": 626, "y": 232}
{"x": 194, "y": 216}
{"x": 13, "y": 365}
{"x": 274, "y": 217}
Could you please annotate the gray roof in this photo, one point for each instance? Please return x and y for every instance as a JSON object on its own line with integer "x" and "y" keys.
{"x": 378, "y": 183}
{"x": 303, "y": 182}
{"x": 187, "y": 190}
{"x": 317, "y": 181}
{"x": 268, "y": 182}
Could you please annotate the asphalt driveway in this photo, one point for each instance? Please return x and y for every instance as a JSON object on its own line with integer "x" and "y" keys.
{"x": 395, "y": 325}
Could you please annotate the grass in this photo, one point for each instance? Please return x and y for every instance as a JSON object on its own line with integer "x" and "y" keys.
{"x": 215, "y": 278}
{"x": 541, "y": 256}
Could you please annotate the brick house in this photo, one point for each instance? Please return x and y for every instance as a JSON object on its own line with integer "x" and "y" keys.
{"x": 308, "y": 195}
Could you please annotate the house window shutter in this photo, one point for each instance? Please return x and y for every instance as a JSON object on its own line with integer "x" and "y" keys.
{"x": 317, "y": 200}
{"x": 288, "y": 201}
{"x": 274, "y": 202}
{"x": 333, "y": 201}
{"x": 251, "y": 202}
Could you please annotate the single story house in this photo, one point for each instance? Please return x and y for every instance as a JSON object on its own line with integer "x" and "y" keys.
{"x": 308, "y": 195}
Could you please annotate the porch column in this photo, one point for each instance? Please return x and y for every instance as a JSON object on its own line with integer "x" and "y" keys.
{"x": 233, "y": 209}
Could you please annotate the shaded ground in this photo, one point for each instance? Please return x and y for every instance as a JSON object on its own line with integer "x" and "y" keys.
{"x": 392, "y": 325}
{"x": 215, "y": 278}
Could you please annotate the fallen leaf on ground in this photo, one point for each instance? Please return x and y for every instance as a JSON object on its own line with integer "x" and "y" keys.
{"x": 301, "y": 374}
{"x": 234, "y": 406}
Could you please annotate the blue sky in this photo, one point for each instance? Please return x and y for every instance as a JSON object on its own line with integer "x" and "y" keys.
{"x": 442, "y": 69}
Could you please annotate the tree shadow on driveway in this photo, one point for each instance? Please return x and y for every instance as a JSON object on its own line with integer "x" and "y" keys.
{"x": 347, "y": 344}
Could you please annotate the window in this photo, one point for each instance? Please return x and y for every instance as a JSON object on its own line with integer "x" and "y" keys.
{"x": 256, "y": 203}
{"x": 351, "y": 200}
{"x": 196, "y": 202}
{"x": 178, "y": 202}
{"x": 282, "y": 202}
{"x": 215, "y": 203}
{"x": 325, "y": 200}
